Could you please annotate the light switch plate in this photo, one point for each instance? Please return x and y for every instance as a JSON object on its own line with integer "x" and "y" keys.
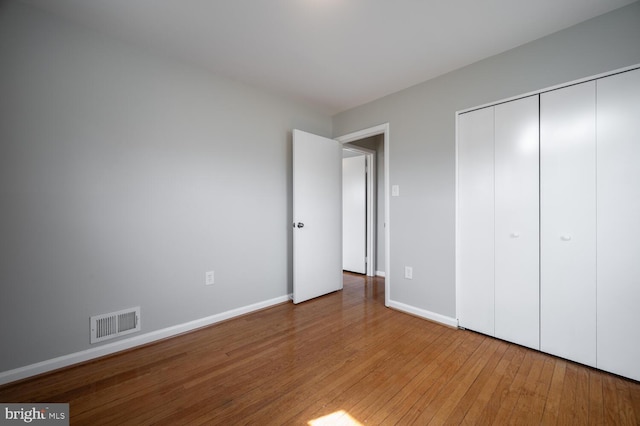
{"x": 209, "y": 278}
{"x": 395, "y": 190}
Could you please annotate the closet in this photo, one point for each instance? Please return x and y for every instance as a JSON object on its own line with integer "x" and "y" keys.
{"x": 548, "y": 221}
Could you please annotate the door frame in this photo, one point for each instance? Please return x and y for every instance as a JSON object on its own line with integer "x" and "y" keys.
{"x": 381, "y": 129}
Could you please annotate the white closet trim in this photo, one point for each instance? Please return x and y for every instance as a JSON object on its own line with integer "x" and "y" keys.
{"x": 550, "y": 88}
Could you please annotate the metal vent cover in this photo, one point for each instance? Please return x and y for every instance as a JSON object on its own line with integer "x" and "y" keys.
{"x": 115, "y": 324}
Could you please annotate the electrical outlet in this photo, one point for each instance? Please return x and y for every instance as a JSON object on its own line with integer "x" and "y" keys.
{"x": 209, "y": 278}
{"x": 408, "y": 272}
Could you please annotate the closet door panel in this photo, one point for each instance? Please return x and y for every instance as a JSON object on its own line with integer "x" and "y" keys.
{"x": 568, "y": 223}
{"x": 618, "y": 188}
{"x": 475, "y": 221}
{"x": 516, "y": 222}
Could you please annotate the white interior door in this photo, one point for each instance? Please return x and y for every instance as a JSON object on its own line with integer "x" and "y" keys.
{"x": 517, "y": 295}
{"x": 568, "y": 222}
{"x": 475, "y": 231}
{"x": 618, "y": 189}
{"x": 317, "y": 216}
{"x": 354, "y": 216}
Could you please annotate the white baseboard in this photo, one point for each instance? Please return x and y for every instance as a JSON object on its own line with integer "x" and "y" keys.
{"x": 132, "y": 342}
{"x": 442, "y": 319}
{"x": 380, "y": 274}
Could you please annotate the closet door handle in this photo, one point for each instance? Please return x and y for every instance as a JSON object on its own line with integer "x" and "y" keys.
{"x": 515, "y": 235}
{"x": 565, "y": 237}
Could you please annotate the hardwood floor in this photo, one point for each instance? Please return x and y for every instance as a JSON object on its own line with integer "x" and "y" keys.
{"x": 343, "y": 355}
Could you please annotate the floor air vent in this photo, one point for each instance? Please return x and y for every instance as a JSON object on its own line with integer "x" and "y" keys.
{"x": 115, "y": 324}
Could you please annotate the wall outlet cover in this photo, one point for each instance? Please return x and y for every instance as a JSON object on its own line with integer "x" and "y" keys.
{"x": 408, "y": 272}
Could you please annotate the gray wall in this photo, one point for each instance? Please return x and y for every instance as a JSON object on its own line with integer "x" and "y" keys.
{"x": 124, "y": 176}
{"x": 422, "y": 140}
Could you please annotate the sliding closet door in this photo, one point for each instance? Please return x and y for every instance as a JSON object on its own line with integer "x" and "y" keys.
{"x": 619, "y": 223}
{"x": 516, "y": 222}
{"x": 475, "y": 231}
{"x": 568, "y": 223}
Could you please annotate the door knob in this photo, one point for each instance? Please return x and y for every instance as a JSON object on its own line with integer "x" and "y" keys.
{"x": 300, "y": 225}
{"x": 515, "y": 234}
{"x": 566, "y": 238}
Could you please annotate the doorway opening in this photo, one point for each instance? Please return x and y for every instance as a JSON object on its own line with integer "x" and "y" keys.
{"x": 373, "y": 144}
{"x": 359, "y": 207}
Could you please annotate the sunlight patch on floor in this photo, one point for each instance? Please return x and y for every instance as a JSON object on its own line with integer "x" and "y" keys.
{"x": 341, "y": 418}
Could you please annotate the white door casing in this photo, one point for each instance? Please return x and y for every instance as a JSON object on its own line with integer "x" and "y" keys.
{"x": 317, "y": 216}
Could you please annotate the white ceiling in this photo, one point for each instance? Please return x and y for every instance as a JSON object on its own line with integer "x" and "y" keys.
{"x": 334, "y": 54}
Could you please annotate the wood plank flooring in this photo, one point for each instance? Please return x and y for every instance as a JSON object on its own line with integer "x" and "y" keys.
{"x": 343, "y": 355}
